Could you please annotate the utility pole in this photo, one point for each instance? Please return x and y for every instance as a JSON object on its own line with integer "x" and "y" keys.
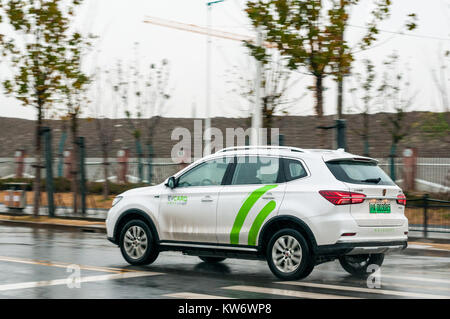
{"x": 341, "y": 71}
{"x": 207, "y": 131}
{"x": 257, "y": 115}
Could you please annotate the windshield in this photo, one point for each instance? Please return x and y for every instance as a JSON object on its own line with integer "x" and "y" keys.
{"x": 368, "y": 173}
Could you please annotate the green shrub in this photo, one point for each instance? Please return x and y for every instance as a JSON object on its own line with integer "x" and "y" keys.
{"x": 114, "y": 189}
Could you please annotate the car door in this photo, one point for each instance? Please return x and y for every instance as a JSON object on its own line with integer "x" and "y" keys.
{"x": 188, "y": 211}
{"x": 253, "y": 196}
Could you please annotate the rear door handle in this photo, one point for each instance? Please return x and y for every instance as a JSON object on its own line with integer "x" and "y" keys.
{"x": 207, "y": 199}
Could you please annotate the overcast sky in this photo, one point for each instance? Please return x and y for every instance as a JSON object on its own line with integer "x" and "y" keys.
{"x": 119, "y": 24}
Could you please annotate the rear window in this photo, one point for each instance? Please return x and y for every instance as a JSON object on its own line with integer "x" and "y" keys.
{"x": 367, "y": 173}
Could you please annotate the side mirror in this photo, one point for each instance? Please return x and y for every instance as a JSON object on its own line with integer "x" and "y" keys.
{"x": 171, "y": 182}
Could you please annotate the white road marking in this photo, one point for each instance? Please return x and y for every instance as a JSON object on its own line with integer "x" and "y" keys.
{"x": 61, "y": 264}
{"x": 386, "y": 275}
{"x": 366, "y": 290}
{"x": 191, "y": 295}
{"x": 412, "y": 246}
{"x": 413, "y": 278}
{"x": 287, "y": 293}
{"x": 418, "y": 286}
{"x": 65, "y": 281}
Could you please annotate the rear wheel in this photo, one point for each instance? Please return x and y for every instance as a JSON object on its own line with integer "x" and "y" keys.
{"x": 137, "y": 244}
{"x": 211, "y": 259}
{"x": 288, "y": 255}
{"x": 357, "y": 265}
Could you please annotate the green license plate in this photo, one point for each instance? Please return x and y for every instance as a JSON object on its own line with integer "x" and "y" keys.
{"x": 380, "y": 208}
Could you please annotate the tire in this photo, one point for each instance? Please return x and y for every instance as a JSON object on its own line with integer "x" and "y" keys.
{"x": 357, "y": 265}
{"x": 210, "y": 260}
{"x": 288, "y": 255}
{"x": 137, "y": 243}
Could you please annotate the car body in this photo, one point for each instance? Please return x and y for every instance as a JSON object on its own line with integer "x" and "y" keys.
{"x": 331, "y": 203}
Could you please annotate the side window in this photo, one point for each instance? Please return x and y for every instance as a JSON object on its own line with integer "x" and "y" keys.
{"x": 256, "y": 170}
{"x": 293, "y": 169}
{"x": 205, "y": 174}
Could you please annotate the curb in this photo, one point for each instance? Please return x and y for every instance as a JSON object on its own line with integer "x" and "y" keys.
{"x": 426, "y": 252}
{"x": 69, "y": 227}
{"x": 430, "y": 240}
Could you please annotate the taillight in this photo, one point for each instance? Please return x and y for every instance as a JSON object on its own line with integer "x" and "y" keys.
{"x": 401, "y": 200}
{"x": 343, "y": 198}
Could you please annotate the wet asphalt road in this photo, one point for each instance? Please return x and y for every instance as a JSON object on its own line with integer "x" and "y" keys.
{"x": 36, "y": 263}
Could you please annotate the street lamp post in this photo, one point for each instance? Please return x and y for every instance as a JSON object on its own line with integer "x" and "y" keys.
{"x": 257, "y": 114}
{"x": 207, "y": 149}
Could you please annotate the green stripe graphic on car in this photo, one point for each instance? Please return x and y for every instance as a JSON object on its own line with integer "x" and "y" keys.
{"x": 245, "y": 209}
{"x": 257, "y": 223}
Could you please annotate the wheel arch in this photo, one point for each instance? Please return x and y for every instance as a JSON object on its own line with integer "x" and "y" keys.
{"x": 130, "y": 214}
{"x": 279, "y": 222}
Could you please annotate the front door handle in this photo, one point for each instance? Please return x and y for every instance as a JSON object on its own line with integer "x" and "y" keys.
{"x": 268, "y": 196}
{"x": 207, "y": 199}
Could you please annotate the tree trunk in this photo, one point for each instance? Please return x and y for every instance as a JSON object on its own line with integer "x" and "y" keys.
{"x": 319, "y": 108}
{"x": 75, "y": 157}
{"x": 38, "y": 163}
{"x": 366, "y": 134}
{"x": 105, "y": 172}
{"x": 340, "y": 97}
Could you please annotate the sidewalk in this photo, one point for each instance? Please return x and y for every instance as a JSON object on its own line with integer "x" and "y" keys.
{"x": 60, "y": 223}
{"x": 61, "y": 212}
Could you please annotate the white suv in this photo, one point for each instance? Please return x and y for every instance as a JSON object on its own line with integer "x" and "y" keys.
{"x": 296, "y": 208}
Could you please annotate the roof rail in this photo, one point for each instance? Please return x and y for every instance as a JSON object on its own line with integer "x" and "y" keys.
{"x": 263, "y": 147}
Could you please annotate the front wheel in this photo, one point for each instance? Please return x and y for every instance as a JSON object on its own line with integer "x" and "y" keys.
{"x": 357, "y": 265}
{"x": 288, "y": 255}
{"x": 137, "y": 244}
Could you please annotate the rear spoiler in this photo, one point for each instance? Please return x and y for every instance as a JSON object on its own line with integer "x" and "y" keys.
{"x": 349, "y": 158}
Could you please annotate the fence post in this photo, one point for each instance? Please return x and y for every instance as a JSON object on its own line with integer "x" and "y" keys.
{"x": 139, "y": 158}
{"x": 425, "y": 215}
{"x": 82, "y": 174}
{"x": 392, "y": 161}
{"x": 150, "y": 166}
{"x": 341, "y": 138}
{"x": 49, "y": 170}
{"x": 19, "y": 158}
{"x": 61, "y": 154}
{"x": 281, "y": 139}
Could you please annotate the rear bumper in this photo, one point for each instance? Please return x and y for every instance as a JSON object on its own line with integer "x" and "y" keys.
{"x": 358, "y": 248}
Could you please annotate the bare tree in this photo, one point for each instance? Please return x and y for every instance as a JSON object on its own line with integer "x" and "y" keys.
{"x": 105, "y": 127}
{"x": 441, "y": 79}
{"x": 277, "y": 82}
{"x": 143, "y": 96}
{"x": 395, "y": 94}
{"x": 365, "y": 83}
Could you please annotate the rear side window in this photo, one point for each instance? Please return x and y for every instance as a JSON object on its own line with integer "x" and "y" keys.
{"x": 293, "y": 169}
{"x": 367, "y": 173}
{"x": 256, "y": 170}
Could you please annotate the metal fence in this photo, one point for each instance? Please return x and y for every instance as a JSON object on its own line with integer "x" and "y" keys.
{"x": 161, "y": 169}
{"x": 428, "y": 215}
{"x": 432, "y": 175}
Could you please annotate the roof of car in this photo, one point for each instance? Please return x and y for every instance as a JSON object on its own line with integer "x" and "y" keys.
{"x": 326, "y": 154}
